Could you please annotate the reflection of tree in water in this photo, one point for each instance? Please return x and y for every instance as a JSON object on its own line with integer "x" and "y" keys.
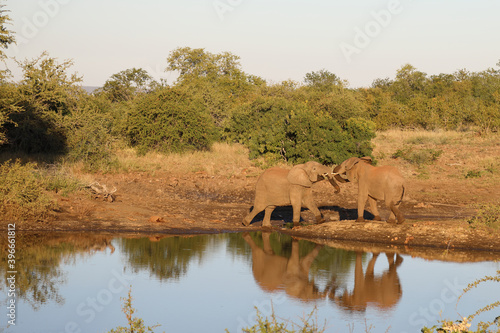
{"x": 38, "y": 261}
{"x": 168, "y": 257}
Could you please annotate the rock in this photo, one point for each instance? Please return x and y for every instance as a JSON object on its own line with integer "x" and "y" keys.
{"x": 156, "y": 219}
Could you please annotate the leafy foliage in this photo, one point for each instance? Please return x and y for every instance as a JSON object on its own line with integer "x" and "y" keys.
{"x": 273, "y": 324}
{"x": 488, "y": 215}
{"x": 170, "y": 121}
{"x": 135, "y": 325}
{"x": 418, "y": 156}
{"x": 22, "y": 194}
{"x": 46, "y": 95}
{"x": 128, "y": 84}
{"x": 464, "y": 324}
{"x": 214, "y": 99}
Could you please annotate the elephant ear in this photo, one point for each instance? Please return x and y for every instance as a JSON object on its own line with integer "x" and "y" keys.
{"x": 367, "y": 159}
{"x": 351, "y": 162}
{"x": 298, "y": 176}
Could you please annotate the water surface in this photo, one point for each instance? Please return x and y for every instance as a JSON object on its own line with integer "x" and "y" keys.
{"x": 209, "y": 283}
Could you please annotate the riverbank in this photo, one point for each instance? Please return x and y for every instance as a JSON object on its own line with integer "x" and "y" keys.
{"x": 443, "y": 194}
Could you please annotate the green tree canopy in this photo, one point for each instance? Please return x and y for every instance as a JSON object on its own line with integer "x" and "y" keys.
{"x": 127, "y": 84}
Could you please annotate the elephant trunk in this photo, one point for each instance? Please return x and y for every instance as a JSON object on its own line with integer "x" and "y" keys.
{"x": 331, "y": 179}
{"x": 339, "y": 176}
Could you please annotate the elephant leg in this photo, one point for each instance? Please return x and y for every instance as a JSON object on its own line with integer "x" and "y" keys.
{"x": 296, "y": 202}
{"x": 371, "y": 266}
{"x": 308, "y": 202}
{"x": 374, "y": 209}
{"x": 362, "y": 197}
{"x": 267, "y": 216}
{"x": 296, "y": 213}
{"x": 255, "y": 210}
{"x": 397, "y": 213}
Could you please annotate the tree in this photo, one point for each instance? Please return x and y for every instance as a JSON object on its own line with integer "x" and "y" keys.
{"x": 6, "y": 36}
{"x": 323, "y": 80}
{"x": 169, "y": 120}
{"x": 408, "y": 82}
{"x": 127, "y": 84}
{"x": 6, "y": 93}
{"x": 46, "y": 94}
{"x": 216, "y": 80}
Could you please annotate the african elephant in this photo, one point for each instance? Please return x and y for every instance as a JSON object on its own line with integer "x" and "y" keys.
{"x": 375, "y": 183}
{"x": 282, "y": 187}
{"x": 273, "y": 272}
{"x": 382, "y": 291}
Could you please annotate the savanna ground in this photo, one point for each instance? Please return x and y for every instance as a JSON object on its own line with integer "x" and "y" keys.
{"x": 451, "y": 177}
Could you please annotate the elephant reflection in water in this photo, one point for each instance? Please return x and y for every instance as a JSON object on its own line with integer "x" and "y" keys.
{"x": 273, "y": 272}
{"x": 382, "y": 291}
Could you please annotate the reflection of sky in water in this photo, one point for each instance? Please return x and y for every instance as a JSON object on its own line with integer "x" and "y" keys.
{"x": 220, "y": 292}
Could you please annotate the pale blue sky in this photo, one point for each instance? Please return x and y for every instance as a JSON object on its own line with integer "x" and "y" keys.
{"x": 358, "y": 40}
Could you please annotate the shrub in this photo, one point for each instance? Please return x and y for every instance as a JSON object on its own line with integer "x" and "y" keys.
{"x": 136, "y": 325}
{"x": 272, "y": 324}
{"x": 261, "y": 125}
{"x": 318, "y": 137}
{"x": 488, "y": 215}
{"x": 464, "y": 324}
{"x": 90, "y": 140}
{"x": 473, "y": 174}
{"x": 22, "y": 194}
{"x": 169, "y": 121}
{"x": 418, "y": 156}
{"x": 278, "y": 128}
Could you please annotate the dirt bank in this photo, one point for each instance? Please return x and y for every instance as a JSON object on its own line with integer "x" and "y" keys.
{"x": 201, "y": 203}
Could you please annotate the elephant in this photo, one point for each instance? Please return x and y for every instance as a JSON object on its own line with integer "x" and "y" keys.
{"x": 375, "y": 183}
{"x": 281, "y": 187}
{"x": 273, "y": 272}
{"x": 382, "y": 291}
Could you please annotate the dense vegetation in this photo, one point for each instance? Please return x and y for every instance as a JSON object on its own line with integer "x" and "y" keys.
{"x": 214, "y": 100}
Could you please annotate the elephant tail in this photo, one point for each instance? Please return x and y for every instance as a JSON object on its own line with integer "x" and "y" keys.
{"x": 402, "y": 196}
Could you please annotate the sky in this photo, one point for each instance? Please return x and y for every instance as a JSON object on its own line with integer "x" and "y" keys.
{"x": 358, "y": 40}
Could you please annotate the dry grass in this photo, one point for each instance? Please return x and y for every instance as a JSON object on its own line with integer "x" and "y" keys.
{"x": 221, "y": 159}
{"x": 465, "y": 155}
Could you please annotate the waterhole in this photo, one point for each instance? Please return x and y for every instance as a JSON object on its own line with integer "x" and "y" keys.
{"x": 210, "y": 283}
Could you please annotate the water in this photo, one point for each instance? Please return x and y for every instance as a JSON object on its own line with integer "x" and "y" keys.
{"x": 209, "y": 283}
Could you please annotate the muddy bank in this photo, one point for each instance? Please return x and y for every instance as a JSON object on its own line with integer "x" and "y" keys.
{"x": 200, "y": 203}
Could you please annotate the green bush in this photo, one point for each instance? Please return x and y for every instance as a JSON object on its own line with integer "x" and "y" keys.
{"x": 169, "y": 121}
{"x": 90, "y": 140}
{"x": 22, "y": 192}
{"x": 261, "y": 126}
{"x": 279, "y": 128}
{"x": 418, "y": 156}
{"x": 488, "y": 215}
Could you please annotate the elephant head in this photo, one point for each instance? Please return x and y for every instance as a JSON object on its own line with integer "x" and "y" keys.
{"x": 347, "y": 169}
{"x": 309, "y": 173}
